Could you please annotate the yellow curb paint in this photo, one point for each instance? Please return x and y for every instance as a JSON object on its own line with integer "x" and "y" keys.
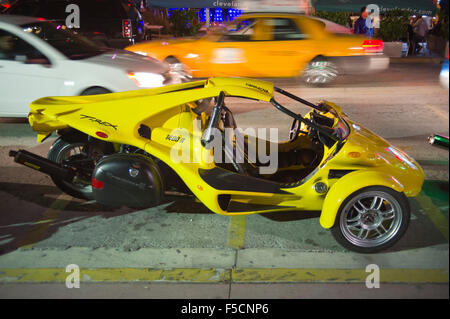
{"x": 338, "y": 275}
{"x": 41, "y": 227}
{"x": 236, "y": 232}
{"x": 245, "y": 275}
{"x": 434, "y": 214}
{"x": 116, "y": 275}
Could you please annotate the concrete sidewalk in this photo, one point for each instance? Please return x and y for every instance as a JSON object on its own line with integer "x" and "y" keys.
{"x": 417, "y": 59}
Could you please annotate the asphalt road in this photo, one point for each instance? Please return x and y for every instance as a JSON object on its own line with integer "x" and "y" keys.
{"x": 41, "y": 228}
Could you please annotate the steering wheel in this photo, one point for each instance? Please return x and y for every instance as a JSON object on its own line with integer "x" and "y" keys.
{"x": 295, "y": 130}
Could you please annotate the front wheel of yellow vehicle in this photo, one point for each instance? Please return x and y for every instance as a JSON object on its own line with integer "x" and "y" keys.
{"x": 372, "y": 219}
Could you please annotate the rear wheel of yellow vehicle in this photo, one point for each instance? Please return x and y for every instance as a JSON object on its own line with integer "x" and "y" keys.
{"x": 372, "y": 219}
{"x": 320, "y": 71}
{"x": 65, "y": 152}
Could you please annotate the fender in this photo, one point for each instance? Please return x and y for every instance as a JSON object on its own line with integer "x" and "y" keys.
{"x": 349, "y": 184}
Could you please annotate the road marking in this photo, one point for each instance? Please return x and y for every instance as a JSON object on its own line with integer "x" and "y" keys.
{"x": 442, "y": 114}
{"x": 40, "y": 229}
{"x": 236, "y": 232}
{"x": 434, "y": 213}
{"x": 433, "y": 162}
{"x": 245, "y": 275}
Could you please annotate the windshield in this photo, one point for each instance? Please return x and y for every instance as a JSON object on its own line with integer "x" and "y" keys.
{"x": 69, "y": 43}
{"x": 342, "y": 130}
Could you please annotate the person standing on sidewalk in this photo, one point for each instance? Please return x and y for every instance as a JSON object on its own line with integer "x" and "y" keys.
{"x": 420, "y": 31}
{"x": 363, "y": 25}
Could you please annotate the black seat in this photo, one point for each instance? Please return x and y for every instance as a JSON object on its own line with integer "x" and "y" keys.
{"x": 301, "y": 158}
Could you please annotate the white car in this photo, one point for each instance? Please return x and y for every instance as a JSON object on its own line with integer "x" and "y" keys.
{"x": 39, "y": 58}
{"x": 443, "y": 76}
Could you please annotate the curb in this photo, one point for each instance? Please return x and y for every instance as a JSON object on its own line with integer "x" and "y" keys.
{"x": 416, "y": 60}
{"x": 243, "y": 275}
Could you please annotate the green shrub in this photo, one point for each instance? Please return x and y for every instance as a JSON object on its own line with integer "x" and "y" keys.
{"x": 443, "y": 29}
{"x": 336, "y": 17}
{"x": 184, "y": 22}
{"x": 394, "y": 25}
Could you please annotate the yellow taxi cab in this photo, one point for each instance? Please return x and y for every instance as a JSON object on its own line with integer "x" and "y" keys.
{"x": 272, "y": 45}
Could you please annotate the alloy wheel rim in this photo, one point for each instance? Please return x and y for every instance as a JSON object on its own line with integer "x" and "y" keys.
{"x": 320, "y": 72}
{"x": 371, "y": 219}
{"x": 66, "y": 155}
{"x": 179, "y": 73}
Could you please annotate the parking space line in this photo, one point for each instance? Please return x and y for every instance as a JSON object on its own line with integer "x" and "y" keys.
{"x": 41, "y": 227}
{"x": 434, "y": 213}
{"x": 245, "y": 275}
{"x": 236, "y": 232}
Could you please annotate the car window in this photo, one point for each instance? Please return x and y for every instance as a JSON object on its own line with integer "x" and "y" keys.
{"x": 285, "y": 29}
{"x": 102, "y": 9}
{"x": 242, "y": 31}
{"x": 56, "y": 9}
{"x": 15, "y": 49}
{"x": 25, "y": 8}
{"x": 69, "y": 43}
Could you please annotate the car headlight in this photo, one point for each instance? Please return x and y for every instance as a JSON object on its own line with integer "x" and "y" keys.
{"x": 146, "y": 80}
{"x": 141, "y": 52}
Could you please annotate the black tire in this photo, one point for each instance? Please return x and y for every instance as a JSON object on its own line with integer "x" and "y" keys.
{"x": 60, "y": 151}
{"x": 177, "y": 70}
{"x": 320, "y": 71}
{"x": 95, "y": 91}
{"x": 348, "y": 213}
{"x": 171, "y": 60}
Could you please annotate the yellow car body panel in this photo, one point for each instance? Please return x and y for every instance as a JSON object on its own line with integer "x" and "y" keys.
{"x": 261, "y": 55}
{"x": 174, "y": 125}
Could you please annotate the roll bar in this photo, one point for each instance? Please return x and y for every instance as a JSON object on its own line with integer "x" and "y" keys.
{"x": 207, "y": 136}
{"x": 322, "y": 107}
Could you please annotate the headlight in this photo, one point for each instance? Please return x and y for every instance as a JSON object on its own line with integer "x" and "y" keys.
{"x": 191, "y": 56}
{"x": 146, "y": 80}
{"x": 141, "y": 52}
{"x": 401, "y": 156}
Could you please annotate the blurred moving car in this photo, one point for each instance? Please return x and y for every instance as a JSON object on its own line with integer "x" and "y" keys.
{"x": 443, "y": 76}
{"x": 39, "y": 58}
{"x": 273, "y": 45}
{"x": 110, "y": 23}
{"x": 4, "y": 4}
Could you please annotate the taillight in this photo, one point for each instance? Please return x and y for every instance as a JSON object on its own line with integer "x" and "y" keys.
{"x": 373, "y": 45}
{"x": 97, "y": 184}
{"x": 126, "y": 28}
{"x": 101, "y": 134}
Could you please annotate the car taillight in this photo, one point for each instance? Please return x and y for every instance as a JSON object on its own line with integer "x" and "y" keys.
{"x": 101, "y": 134}
{"x": 97, "y": 184}
{"x": 126, "y": 28}
{"x": 373, "y": 45}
